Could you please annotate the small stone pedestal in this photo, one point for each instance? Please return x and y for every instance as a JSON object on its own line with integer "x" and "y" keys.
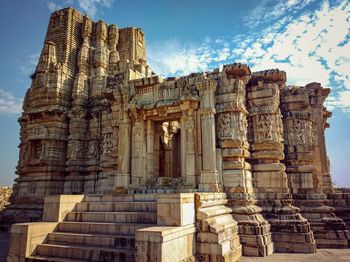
{"x": 217, "y": 231}
{"x": 174, "y": 236}
{"x": 253, "y": 228}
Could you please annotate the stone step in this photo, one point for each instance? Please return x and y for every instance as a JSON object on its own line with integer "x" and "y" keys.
{"x": 116, "y": 206}
{"x": 37, "y": 258}
{"x": 96, "y": 240}
{"x": 86, "y": 253}
{"x": 121, "y": 198}
{"x": 113, "y": 217}
{"x": 101, "y": 228}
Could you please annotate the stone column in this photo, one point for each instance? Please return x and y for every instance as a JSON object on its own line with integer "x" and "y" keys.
{"x": 187, "y": 146}
{"x": 209, "y": 180}
{"x": 290, "y": 231}
{"x": 149, "y": 149}
{"x": 296, "y": 104}
{"x": 319, "y": 115}
{"x": 122, "y": 179}
{"x": 138, "y": 154}
{"x": 231, "y": 123}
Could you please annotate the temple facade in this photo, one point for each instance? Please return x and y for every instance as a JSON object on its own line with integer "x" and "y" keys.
{"x": 219, "y": 164}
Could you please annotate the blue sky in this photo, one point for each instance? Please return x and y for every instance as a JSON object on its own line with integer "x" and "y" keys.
{"x": 309, "y": 39}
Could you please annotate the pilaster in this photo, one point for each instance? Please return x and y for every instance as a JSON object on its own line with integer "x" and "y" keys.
{"x": 209, "y": 180}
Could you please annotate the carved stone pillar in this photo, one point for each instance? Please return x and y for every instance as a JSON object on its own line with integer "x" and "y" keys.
{"x": 231, "y": 123}
{"x": 115, "y": 92}
{"x": 149, "y": 149}
{"x": 209, "y": 180}
{"x": 187, "y": 146}
{"x": 319, "y": 115}
{"x": 138, "y": 154}
{"x": 290, "y": 231}
{"x": 296, "y": 104}
{"x": 121, "y": 180}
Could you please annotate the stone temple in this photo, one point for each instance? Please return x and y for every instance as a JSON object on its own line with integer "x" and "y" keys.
{"x": 118, "y": 164}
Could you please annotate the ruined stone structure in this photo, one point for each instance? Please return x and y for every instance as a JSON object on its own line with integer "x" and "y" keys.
{"x": 120, "y": 164}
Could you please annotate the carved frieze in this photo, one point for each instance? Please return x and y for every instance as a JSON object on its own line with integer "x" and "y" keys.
{"x": 39, "y": 132}
{"x": 75, "y": 149}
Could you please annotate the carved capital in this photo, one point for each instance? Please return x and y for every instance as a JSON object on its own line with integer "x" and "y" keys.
{"x": 207, "y": 84}
{"x": 207, "y": 112}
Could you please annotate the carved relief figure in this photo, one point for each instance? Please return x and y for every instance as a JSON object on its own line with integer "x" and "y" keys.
{"x": 225, "y": 128}
{"x": 243, "y": 127}
{"x": 75, "y": 149}
{"x": 265, "y": 127}
{"x": 24, "y": 152}
{"x": 299, "y": 135}
{"x": 107, "y": 144}
{"x": 92, "y": 150}
{"x": 39, "y": 131}
{"x": 114, "y": 81}
{"x": 32, "y": 187}
{"x": 37, "y": 147}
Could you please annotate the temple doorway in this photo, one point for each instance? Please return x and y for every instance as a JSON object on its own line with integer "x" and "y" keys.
{"x": 169, "y": 149}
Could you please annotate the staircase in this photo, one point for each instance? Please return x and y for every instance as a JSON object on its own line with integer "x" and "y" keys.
{"x": 101, "y": 228}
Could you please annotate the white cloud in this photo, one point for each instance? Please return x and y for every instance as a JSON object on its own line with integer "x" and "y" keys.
{"x": 175, "y": 58}
{"x": 53, "y": 6}
{"x": 28, "y": 64}
{"x": 312, "y": 46}
{"x": 342, "y": 101}
{"x": 267, "y": 11}
{"x": 90, "y": 7}
{"x": 9, "y": 104}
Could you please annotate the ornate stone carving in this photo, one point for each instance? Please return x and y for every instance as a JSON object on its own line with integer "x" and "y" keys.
{"x": 75, "y": 150}
{"x": 107, "y": 144}
{"x": 225, "y": 126}
{"x": 92, "y": 151}
{"x": 39, "y": 132}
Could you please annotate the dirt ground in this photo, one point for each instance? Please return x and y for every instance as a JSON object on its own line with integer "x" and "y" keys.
{"x": 322, "y": 255}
